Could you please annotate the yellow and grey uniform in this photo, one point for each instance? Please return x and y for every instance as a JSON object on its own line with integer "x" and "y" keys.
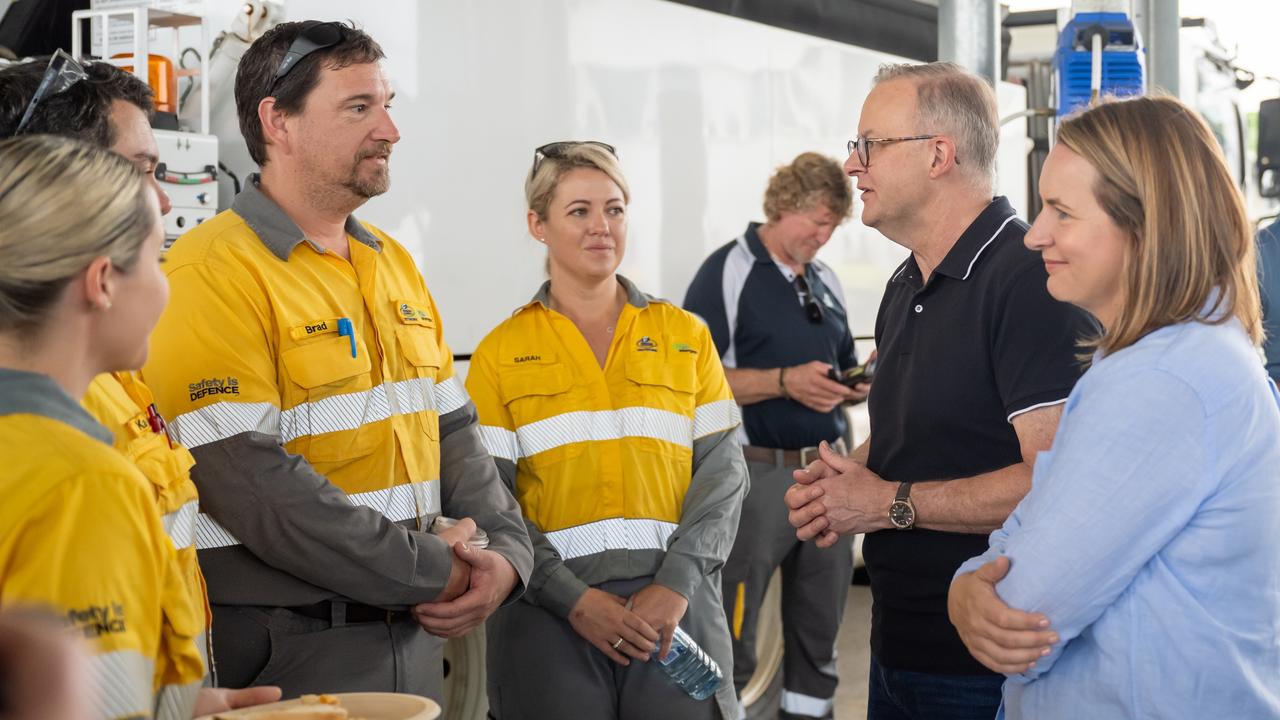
{"x": 318, "y": 398}
{"x": 626, "y": 474}
{"x": 121, "y": 403}
{"x": 80, "y": 535}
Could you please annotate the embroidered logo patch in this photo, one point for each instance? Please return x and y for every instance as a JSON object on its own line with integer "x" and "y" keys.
{"x": 644, "y": 344}
{"x": 684, "y": 348}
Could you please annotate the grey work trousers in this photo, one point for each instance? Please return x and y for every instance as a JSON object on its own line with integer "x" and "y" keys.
{"x": 815, "y": 583}
{"x": 540, "y": 668}
{"x": 274, "y": 646}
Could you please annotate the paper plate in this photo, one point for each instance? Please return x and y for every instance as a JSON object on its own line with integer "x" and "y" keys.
{"x": 366, "y": 705}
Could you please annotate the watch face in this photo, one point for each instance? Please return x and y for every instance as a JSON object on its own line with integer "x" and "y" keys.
{"x": 902, "y": 515}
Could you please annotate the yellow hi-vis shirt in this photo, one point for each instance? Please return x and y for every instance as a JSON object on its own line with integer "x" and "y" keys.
{"x": 604, "y": 458}
{"x": 343, "y": 362}
{"x": 123, "y": 404}
{"x": 80, "y": 536}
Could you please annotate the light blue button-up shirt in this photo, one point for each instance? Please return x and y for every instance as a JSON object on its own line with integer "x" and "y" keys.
{"x": 1151, "y": 538}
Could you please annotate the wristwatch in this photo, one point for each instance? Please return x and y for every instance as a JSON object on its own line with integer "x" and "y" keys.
{"x": 902, "y": 512}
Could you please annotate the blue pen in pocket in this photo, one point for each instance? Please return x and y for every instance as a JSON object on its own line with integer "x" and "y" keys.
{"x": 345, "y": 329}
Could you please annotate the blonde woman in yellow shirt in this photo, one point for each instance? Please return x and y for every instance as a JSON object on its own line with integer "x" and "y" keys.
{"x": 608, "y": 413}
{"x": 80, "y": 535}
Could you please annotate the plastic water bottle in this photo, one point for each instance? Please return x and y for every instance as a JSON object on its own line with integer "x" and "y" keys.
{"x": 691, "y": 669}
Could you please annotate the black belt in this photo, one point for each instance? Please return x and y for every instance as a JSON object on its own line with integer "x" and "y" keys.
{"x": 340, "y": 612}
{"x": 787, "y": 458}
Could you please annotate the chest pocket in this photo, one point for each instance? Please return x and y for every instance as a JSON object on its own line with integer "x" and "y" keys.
{"x": 419, "y": 392}
{"x": 666, "y": 382}
{"x": 330, "y": 400}
{"x": 542, "y": 404}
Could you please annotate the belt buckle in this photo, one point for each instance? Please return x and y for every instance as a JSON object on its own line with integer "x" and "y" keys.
{"x": 804, "y": 456}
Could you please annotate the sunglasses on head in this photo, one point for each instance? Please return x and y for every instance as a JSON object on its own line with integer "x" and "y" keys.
{"x": 63, "y": 72}
{"x": 317, "y": 37}
{"x": 559, "y": 149}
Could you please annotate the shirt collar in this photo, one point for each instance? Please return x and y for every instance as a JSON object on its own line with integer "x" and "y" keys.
{"x": 35, "y": 394}
{"x": 964, "y": 255}
{"x": 634, "y": 296}
{"x": 762, "y": 255}
{"x": 276, "y": 230}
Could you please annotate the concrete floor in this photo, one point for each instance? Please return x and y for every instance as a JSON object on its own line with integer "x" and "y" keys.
{"x": 853, "y": 655}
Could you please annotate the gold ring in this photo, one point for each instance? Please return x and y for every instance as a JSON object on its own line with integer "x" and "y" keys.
{"x": 617, "y": 645}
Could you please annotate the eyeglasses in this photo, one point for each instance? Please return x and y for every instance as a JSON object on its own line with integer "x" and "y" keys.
{"x": 560, "y": 149}
{"x": 316, "y": 37}
{"x": 812, "y": 308}
{"x": 63, "y": 72}
{"x": 862, "y": 145}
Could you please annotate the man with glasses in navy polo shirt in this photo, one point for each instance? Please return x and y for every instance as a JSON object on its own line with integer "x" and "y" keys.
{"x": 778, "y": 319}
{"x": 975, "y": 360}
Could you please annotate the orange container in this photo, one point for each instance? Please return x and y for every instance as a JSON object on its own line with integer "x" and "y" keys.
{"x": 161, "y": 78}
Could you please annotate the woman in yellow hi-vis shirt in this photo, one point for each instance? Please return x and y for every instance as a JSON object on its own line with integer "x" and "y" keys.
{"x": 608, "y": 414}
{"x": 80, "y": 289}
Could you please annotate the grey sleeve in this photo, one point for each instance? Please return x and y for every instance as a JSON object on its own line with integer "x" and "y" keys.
{"x": 709, "y": 517}
{"x": 552, "y": 585}
{"x": 293, "y": 519}
{"x": 471, "y": 487}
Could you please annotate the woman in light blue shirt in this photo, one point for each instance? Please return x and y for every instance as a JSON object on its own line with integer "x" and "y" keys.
{"x": 1140, "y": 576}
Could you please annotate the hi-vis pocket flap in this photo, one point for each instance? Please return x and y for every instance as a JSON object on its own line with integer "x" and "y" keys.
{"x": 543, "y": 380}
{"x": 326, "y": 361}
{"x": 314, "y": 328}
{"x": 412, "y": 312}
{"x": 419, "y": 346}
{"x": 656, "y": 370}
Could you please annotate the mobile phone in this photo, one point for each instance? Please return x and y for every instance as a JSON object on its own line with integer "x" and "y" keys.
{"x": 859, "y": 374}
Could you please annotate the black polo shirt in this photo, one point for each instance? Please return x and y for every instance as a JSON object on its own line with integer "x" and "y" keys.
{"x": 753, "y": 309}
{"x": 960, "y": 355}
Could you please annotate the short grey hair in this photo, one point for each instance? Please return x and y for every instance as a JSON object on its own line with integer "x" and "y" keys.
{"x": 955, "y": 102}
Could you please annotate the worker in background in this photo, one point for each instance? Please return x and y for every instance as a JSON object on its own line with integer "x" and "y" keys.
{"x": 1269, "y": 287}
{"x": 975, "y": 362}
{"x": 303, "y": 361}
{"x": 111, "y": 108}
{"x": 607, "y": 412}
{"x": 778, "y": 318}
{"x": 80, "y": 535}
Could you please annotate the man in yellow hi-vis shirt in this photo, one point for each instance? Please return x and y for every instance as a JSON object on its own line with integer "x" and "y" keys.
{"x": 302, "y": 360}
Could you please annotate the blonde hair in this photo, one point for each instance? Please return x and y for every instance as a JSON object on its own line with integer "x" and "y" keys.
{"x": 545, "y": 177}
{"x": 809, "y": 180}
{"x": 953, "y": 101}
{"x": 1162, "y": 180}
{"x": 64, "y": 203}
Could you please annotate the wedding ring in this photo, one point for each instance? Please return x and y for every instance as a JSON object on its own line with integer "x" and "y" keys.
{"x": 617, "y": 645}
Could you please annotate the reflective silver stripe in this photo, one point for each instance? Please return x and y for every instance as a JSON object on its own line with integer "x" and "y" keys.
{"x": 348, "y": 411}
{"x": 177, "y": 702}
{"x": 800, "y": 704}
{"x": 121, "y": 683}
{"x": 611, "y": 534}
{"x": 715, "y": 417}
{"x": 181, "y": 524}
{"x": 500, "y": 442}
{"x": 222, "y": 420}
{"x": 402, "y": 502}
{"x": 588, "y": 425}
{"x": 210, "y": 534}
{"x": 451, "y": 395}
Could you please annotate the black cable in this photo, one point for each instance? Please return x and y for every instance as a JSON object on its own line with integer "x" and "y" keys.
{"x": 235, "y": 181}
{"x": 191, "y": 80}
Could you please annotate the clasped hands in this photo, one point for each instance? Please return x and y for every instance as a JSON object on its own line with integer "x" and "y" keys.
{"x": 479, "y": 580}
{"x": 835, "y": 496}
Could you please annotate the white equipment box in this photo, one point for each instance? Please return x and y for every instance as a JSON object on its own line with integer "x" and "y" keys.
{"x": 188, "y": 171}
